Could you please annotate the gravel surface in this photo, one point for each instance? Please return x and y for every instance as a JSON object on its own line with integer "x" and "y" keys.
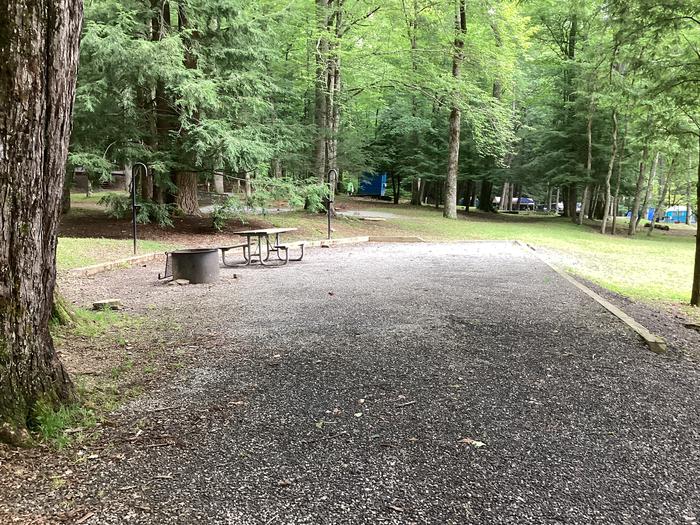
{"x": 427, "y": 383}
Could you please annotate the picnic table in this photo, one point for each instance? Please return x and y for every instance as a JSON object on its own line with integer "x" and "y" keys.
{"x": 261, "y": 237}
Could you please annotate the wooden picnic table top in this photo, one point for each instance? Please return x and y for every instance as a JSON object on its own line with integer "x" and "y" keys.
{"x": 265, "y": 231}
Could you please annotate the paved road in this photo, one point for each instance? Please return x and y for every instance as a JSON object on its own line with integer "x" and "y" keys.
{"x": 357, "y": 386}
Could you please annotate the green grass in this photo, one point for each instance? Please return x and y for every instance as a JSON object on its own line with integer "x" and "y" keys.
{"x": 76, "y": 252}
{"x": 653, "y": 269}
{"x": 64, "y": 425}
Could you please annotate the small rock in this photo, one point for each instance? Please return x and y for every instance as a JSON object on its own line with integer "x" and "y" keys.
{"x": 107, "y": 304}
{"x": 182, "y": 282}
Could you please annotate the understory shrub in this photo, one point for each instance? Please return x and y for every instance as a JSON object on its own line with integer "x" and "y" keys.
{"x": 119, "y": 207}
{"x": 231, "y": 208}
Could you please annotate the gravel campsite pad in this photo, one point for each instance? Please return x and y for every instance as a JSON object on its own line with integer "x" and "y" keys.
{"x": 405, "y": 383}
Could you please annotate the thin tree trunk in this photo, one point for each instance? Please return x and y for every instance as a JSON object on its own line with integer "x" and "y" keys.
{"x": 38, "y": 63}
{"x": 570, "y": 194}
{"x": 247, "y": 188}
{"x": 593, "y": 202}
{"x": 589, "y": 162}
{"x": 450, "y": 202}
{"x": 637, "y": 192}
{"x": 616, "y": 200}
{"x": 320, "y": 107}
{"x": 662, "y": 198}
{"x": 584, "y": 204}
{"x": 650, "y": 182}
{"x": 412, "y": 32}
{"x": 608, "y": 177}
{"x": 397, "y": 191}
{"x": 695, "y": 292}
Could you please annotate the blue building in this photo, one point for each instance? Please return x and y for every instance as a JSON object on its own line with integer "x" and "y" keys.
{"x": 372, "y": 184}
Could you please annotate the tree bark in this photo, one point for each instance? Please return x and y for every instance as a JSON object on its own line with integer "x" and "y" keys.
{"x": 65, "y": 197}
{"x": 485, "y": 196}
{"x": 38, "y": 63}
{"x": 662, "y": 198}
{"x": 218, "y": 182}
{"x": 637, "y": 192}
{"x": 506, "y": 202}
{"x": 608, "y": 177}
{"x": 650, "y": 182}
{"x": 416, "y": 184}
{"x": 616, "y": 199}
{"x": 584, "y": 204}
{"x": 589, "y": 163}
{"x": 695, "y": 292}
{"x": 450, "y": 202}
{"x": 187, "y": 192}
{"x": 320, "y": 90}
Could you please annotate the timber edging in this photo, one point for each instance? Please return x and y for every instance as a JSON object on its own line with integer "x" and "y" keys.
{"x": 656, "y": 344}
{"x": 86, "y": 271}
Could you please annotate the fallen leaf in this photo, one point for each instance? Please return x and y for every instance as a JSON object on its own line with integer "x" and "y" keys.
{"x": 358, "y": 414}
{"x": 284, "y": 482}
{"x": 473, "y": 442}
{"x": 395, "y": 508}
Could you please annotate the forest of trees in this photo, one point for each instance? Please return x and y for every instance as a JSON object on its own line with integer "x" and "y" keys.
{"x": 596, "y": 101}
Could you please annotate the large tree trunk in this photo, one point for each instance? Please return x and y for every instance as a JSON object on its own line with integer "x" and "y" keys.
{"x": 38, "y": 62}
{"x": 506, "y": 202}
{"x": 187, "y": 192}
{"x": 485, "y": 196}
{"x": 611, "y": 165}
{"x": 637, "y": 192}
{"x": 416, "y": 191}
{"x": 450, "y": 202}
{"x": 569, "y": 197}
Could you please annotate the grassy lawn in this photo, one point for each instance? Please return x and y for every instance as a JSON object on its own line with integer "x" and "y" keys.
{"x": 653, "y": 269}
{"x": 76, "y": 253}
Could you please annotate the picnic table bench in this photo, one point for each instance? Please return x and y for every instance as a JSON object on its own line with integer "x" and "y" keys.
{"x": 261, "y": 237}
